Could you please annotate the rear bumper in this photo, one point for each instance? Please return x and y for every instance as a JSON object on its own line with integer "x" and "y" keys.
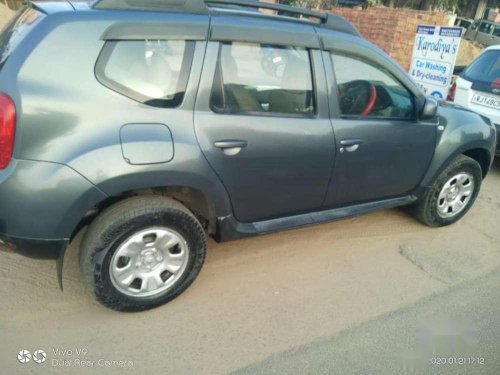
{"x": 41, "y": 205}
{"x": 33, "y": 248}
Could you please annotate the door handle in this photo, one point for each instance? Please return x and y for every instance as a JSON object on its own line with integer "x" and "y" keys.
{"x": 231, "y": 147}
{"x": 230, "y": 144}
{"x": 350, "y": 145}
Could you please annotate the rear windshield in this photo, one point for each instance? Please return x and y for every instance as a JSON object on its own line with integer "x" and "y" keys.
{"x": 485, "y": 69}
{"x": 16, "y": 30}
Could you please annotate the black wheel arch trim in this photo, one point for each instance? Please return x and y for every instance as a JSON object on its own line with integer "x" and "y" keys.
{"x": 440, "y": 162}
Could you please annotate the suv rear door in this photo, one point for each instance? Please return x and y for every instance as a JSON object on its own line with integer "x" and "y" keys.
{"x": 383, "y": 152}
{"x": 261, "y": 116}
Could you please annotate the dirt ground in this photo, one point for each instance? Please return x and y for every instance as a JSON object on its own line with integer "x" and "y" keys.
{"x": 254, "y": 297}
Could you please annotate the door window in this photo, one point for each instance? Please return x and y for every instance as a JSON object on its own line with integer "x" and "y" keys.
{"x": 369, "y": 91}
{"x": 496, "y": 32}
{"x": 485, "y": 28}
{"x": 261, "y": 79}
{"x": 153, "y": 72}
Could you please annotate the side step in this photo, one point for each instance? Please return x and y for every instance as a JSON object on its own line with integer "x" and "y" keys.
{"x": 230, "y": 229}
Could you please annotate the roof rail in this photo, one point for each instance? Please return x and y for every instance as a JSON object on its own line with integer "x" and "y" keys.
{"x": 271, "y": 6}
{"x": 187, "y": 6}
{"x": 326, "y": 20}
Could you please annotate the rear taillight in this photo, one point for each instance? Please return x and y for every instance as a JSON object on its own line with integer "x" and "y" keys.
{"x": 451, "y": 94}
{"x": 7, "y": 129}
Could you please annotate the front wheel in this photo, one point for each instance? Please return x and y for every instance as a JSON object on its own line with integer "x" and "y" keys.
{"x": 452, "y": 194}
{"x": 142, "y": 253}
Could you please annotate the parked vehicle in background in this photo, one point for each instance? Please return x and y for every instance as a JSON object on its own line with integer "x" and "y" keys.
{"x": 478, "y": 86}
{"x": 464, "y": 22}
{"x": 156, "y": 123}
{"x": 485, "y": 32}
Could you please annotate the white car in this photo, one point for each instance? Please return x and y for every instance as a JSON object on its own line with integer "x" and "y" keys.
{"x": 478, "y": 87}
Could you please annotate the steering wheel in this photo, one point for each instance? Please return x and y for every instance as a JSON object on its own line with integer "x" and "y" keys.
{"x": 357, "y": 97}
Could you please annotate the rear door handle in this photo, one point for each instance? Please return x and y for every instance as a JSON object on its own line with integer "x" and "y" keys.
{"x": 350, "y": 145}
{"x": 231, "y": 147}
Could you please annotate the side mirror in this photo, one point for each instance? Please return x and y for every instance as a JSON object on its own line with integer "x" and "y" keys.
{"x": 430, "y": 108}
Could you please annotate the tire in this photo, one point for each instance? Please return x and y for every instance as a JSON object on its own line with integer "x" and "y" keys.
{"x": 134, "y": 240}
{"x": 434, "y": 210}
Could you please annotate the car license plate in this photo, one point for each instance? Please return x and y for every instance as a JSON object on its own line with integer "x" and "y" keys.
{"x": 486, "y": 101}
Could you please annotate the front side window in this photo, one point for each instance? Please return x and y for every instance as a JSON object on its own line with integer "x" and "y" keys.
{"x": 153, "y": 72}
{"x": 485, "y": 28}
{"x": 369, "y": 91}
{"x": 263, "y": 79}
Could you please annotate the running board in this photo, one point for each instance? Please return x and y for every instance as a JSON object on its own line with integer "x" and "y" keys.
{"x": 230, "y": 229}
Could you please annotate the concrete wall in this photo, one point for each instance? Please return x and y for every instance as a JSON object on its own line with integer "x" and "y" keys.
{"x": 393, "y": 30}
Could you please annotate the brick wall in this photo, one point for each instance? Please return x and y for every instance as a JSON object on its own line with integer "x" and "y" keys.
{"x": 393, "y": 30}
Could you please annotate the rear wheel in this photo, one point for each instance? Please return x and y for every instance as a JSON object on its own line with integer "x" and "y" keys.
{"x": 452, "y": 194}
{"x": 142, "y": 253}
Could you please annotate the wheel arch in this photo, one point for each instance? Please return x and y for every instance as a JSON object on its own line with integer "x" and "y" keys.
{"x": 482, "y": 156}
{"x": 478, "y": 151}
{"x": 194, "y": 199}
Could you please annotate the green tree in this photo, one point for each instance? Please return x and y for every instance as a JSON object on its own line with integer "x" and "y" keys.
{"x": 447, "y": 5}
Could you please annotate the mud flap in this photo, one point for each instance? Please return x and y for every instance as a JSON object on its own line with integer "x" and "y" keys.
{"x": 59, "y": 266}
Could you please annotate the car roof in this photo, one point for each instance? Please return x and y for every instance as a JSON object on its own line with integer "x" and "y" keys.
{"x": 495, "y": 47}
{"x": 250, "y": 8}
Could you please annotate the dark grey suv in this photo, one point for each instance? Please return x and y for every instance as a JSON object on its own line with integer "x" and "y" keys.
{"x": 155, "y": 123}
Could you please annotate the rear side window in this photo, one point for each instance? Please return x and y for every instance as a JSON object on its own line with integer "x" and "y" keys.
{"x": 261, "y": 79}
{"x": 464, "y": 24}
{"x": 485, "y": 69}
{"x": 16, "y": 31}
{"x": 153, "y": 72}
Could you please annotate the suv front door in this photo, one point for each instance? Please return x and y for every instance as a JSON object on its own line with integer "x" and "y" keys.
{"x": 383, "y": 151}
{"x": 262, "y": 118}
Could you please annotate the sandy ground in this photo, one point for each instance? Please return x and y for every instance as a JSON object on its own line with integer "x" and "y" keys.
{"x": 254, "y": 297}
{"x": 452, "y": 333}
